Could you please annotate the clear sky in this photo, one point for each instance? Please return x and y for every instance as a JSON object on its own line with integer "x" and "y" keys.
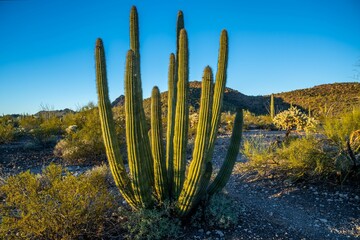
{"x": 47, "y": 46}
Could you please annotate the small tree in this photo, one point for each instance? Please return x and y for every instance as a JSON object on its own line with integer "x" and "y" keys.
{"x": 294, "y": 119}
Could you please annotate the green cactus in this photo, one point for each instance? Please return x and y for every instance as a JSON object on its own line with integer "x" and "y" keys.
{"x": 226, "y": 169}
{"x": 181, "y": 116}
{"x": 135, "y": 46}
{"x": 160, "y": 175}
{"x": 170, "y": 122}
{"x": 192, "y": 184}
{"x": 136, "y": 152}
{"x": 272, "y": 106}
{"x": 108, "y": 128}
{"x": 151, "y": 169}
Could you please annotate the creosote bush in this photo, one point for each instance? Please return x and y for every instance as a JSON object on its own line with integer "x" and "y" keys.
{"x": 56, "y": 205}
{"x": 82, "y": 141}
{"x": 298, "y": 158}
{"x": 7, "y": 133}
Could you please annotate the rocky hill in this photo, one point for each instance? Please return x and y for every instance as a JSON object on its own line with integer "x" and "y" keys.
{"x": 330, "y": 99}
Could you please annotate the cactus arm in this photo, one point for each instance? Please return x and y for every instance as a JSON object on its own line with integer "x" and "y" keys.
{"x": 170, "y": 121}
{"x": 192, "y": 185}
{"x": 139, "y": 172}
{"x": 179, "y": 25}
{"x": 135, "y": 46}
{"x": 181, "y": 116}
{"x": 219, "y": 89}
{"x": 115, "y": 160}
{"x": 160, "y": 176}
{"x": 225, "y": 171}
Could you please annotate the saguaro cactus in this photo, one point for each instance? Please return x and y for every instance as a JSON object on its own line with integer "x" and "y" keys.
{"x": 152, "y": 169}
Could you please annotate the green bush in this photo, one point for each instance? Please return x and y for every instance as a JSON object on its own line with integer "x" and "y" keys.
{"x": 151, "y": 223}
{"x": 56, "y": 205}
{"x": 252, "y": 121}
{"x": 340, "y": 128}
{"x": 298, "y": 158}
{"x": 44, "y": 130}
{"x": 260, "y": 152}
{"x": 222, "y": 212}
{"x": 85, "y": 143}
{"x": 7, "y": 133}
{"x": 306, "y": 157}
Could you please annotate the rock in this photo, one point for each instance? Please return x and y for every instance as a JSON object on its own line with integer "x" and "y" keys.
{"x": 323, "y": 220}
{"x": 220, "y": 233}
{"x": 208, "y": 233}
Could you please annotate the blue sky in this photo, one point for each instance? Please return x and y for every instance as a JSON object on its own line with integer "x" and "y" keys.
{"x": 47, "y": 47}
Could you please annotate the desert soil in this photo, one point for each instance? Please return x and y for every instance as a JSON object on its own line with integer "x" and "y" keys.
{"x": 270, "y": 208}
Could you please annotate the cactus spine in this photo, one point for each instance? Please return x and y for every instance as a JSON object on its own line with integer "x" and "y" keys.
{"x": 150, "y": 168}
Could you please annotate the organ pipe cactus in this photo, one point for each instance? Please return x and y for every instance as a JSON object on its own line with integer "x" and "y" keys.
{"x": 156, "y": 173}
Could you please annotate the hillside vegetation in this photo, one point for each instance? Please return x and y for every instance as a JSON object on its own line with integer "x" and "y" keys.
{"x": 327, "y": 99}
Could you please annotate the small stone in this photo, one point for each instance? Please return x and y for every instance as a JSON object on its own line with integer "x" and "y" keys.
{"x": 357, "y": 198}
{"x": 220, "y": 233}
{"x": 208, "y": 233}
{"x": 323, "y": 220}
{"x": 201, "y": 230}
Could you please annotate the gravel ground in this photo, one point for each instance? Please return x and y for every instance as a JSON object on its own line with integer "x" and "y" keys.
{"x": 270, "y": 208}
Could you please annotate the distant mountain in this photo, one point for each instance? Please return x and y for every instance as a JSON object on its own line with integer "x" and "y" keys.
{"x": 332, "y": 98}
{"x": 57, "y": 113}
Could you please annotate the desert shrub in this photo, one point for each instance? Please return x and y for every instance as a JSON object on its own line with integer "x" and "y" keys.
{"x": 44, "y": 130}
{"x": 7, "y": 133}
{"x": 8, "y": 129}
{"x": 294, "y": 119}
{"x": 226, "y": 122}
{"x": 305, "y": 157}
{"x": 298, "y": 158}
{"x": 150, "y": 223}
{"x": 85, "y": 143}
{"x": 259, "y": 151}
{"x": 27, "y": 123}
{"x": 56, "y": 205}
{"x": 252, "y": 121}
{"x": 222, "y": 212}
{"x": 340, "y": 128}
{"x": 344, "y": 133}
